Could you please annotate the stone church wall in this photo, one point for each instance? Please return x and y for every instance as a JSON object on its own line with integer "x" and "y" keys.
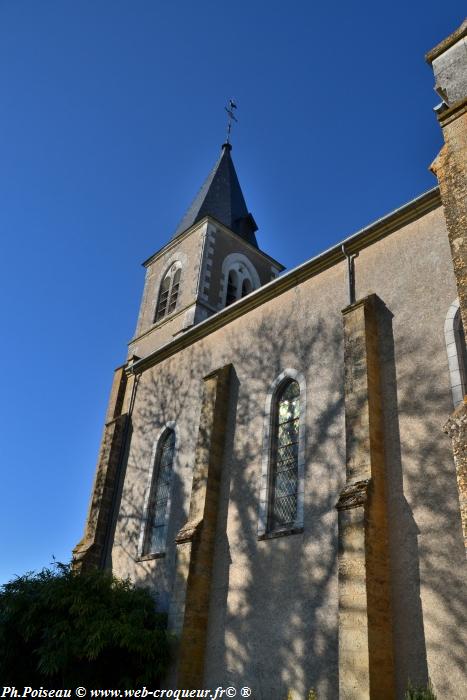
{"x": 274, "y": 603}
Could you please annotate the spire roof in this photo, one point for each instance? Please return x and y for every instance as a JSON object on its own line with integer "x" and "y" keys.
{"x": 221, "y": 197}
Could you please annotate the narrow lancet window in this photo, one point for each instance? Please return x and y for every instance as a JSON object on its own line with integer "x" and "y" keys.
{"x": 156, "y": 522}
{"x": 168, "y": 293}
{"x": 284, "y": 458}
{"x": 163, "y": 298}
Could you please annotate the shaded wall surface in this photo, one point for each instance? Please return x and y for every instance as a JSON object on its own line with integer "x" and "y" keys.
{"x": 274, "y": 603}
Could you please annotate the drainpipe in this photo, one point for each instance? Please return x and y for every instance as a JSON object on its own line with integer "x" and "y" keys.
{"x": 351, "y": 273}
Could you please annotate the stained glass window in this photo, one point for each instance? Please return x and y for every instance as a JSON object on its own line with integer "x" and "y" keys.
{"x": 156, "y": 527}
{"x": 284, "y": 457}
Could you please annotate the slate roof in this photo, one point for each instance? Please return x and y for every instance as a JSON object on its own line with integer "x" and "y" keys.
{"x": 221, "y": 197}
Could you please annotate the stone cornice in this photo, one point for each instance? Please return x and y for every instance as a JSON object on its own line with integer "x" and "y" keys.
{"x": 447, "y": 43}
{"x": 370, "y": 234}
{"x": 174, "y": 242}
{"x": 351, "y": 307}
{"x": 167, "y": 319}
{"x": 452, "y": 113}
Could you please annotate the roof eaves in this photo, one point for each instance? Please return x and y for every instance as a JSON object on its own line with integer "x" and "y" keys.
{"x": 380, "y": 228}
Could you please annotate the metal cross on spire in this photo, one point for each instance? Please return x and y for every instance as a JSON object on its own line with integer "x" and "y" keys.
{"x": 232, "y": 118}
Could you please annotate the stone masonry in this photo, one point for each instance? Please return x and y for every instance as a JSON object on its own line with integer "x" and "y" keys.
{"x": 91, "y": 550}
{"x": 195, "y": 541}
{"x": 449, "y": 62}
{"x": 365, "y": 632}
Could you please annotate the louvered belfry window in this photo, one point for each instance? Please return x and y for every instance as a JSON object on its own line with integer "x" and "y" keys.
{"x": 284, "y": 457}
{"x": 168, "y": 293}
{"x": 246, "y": 287}
{"x": 232, "y": 284}
{"x": 156, "y": 526}
{"x": 174, "y": 290}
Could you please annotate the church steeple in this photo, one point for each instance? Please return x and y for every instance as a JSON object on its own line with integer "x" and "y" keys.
{"x": 211, "y": 261}
{"x": 221, "y": 198}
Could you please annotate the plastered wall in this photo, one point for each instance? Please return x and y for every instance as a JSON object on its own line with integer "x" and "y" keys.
{"x": 273, "y": 615}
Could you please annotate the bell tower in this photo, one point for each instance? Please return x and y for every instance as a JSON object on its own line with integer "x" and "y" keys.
{"x": 212, "y": 260}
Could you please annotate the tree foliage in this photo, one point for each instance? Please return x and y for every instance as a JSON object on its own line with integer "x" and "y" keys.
{"x": 58, "y": 626}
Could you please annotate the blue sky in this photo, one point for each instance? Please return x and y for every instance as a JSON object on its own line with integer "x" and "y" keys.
{"x": 112, "y": 114}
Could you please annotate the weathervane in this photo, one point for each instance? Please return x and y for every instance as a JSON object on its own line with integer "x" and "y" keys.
{"x": 232, "y": 118}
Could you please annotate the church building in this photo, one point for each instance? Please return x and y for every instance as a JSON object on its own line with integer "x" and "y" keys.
{"x": 284, "y": 457}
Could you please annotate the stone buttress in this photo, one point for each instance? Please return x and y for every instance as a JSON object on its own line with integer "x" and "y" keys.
{"x": 366, "y": 666}
{"x": 195, "y": 541}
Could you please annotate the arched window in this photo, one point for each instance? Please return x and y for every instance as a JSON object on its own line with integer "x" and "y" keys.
{"x": 239, "y": 277}
{"x": 232, "y": 288}
{"x": 284, "y": 457}
{"x": 456, "y": 351}
{"x": 168, "y": 292}
{"x": 155, "y": 529}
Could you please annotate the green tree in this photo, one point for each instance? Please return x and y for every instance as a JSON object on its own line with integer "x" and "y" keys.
{"x": 58, "y": 626}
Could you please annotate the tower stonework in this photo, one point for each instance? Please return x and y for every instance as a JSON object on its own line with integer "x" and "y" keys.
{"x": 216, "y": 233}
{"x": 275, "y": 464}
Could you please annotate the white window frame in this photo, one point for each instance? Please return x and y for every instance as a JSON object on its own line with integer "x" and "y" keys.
{"x": 265, "y": 489}
{"x": 170, "y": 425}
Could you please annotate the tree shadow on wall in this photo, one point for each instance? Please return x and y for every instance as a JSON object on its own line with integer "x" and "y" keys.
{"x": 279, "y": 608}
{"x": 273, "y": 604}
{"x": 410, "y": 660}
{"x": 162, "y": 397}
{"x": 273, "y": 612}
{"x": 425, "y": 537}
